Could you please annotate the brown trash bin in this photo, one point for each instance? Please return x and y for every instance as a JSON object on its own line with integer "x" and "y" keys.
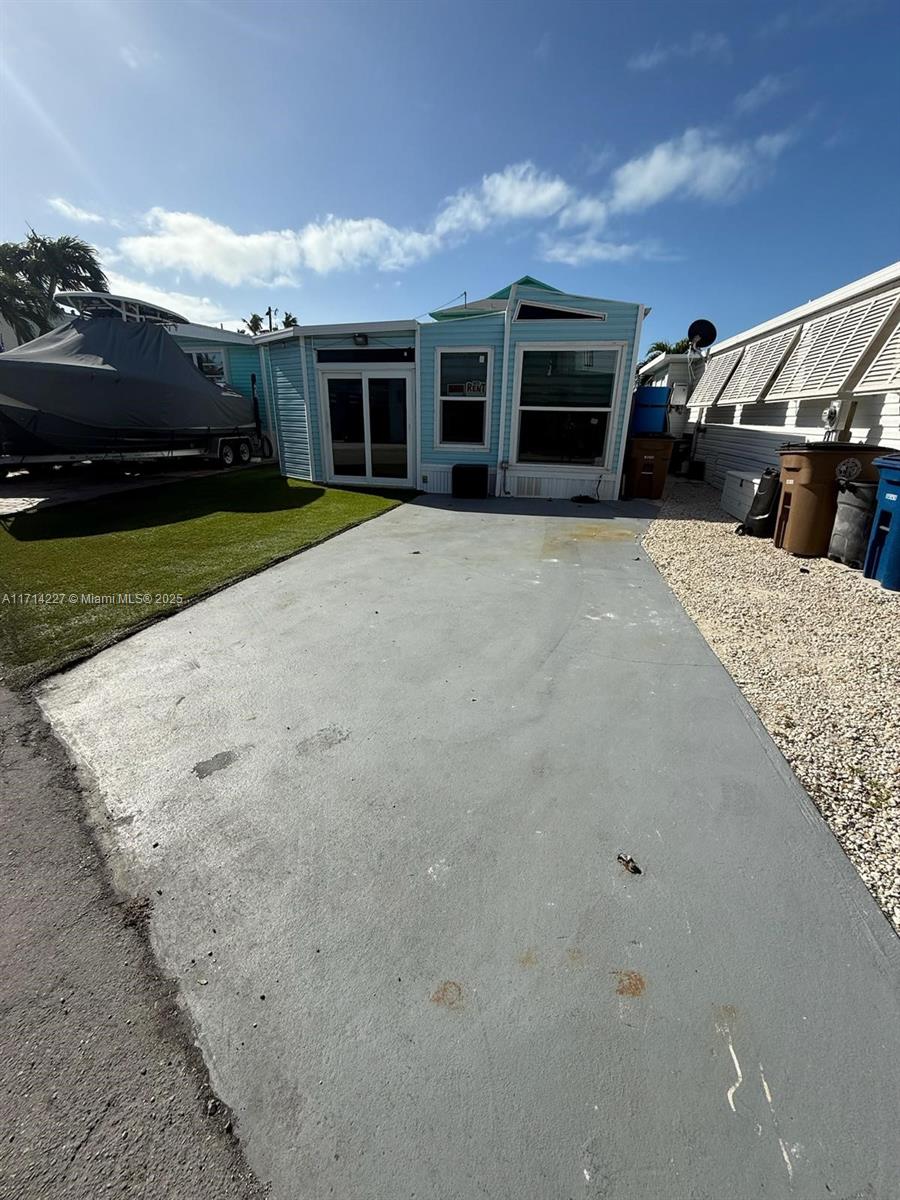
{"x": 809, "y": 489}
{"x": 646, "y": 466}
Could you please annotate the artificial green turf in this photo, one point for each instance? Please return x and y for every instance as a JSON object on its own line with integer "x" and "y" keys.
{"x": 184, "y": 538}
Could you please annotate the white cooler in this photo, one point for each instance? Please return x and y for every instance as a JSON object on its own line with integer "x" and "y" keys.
{"x": 738, "y": 492}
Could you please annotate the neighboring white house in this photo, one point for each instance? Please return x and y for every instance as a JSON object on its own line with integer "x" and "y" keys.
{"x": 830, "y": 367}
{"x": 680, "y": 373}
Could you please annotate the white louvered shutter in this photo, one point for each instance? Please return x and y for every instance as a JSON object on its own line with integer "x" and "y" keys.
{"x": 884, "y": 373}
{"x": 830, "y": 347}
{"x": 715, "y": 376}
{"x": 760, "y": 362}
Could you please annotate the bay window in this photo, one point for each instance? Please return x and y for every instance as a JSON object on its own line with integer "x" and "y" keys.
{"x": 565, "y": 401}
{"x": 463, "y": 379}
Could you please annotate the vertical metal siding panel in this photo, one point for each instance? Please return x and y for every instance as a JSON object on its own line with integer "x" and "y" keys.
{"x": 444, "y": 335}
{"x": 311, "y": 382}
{"x": 292, "y": 410}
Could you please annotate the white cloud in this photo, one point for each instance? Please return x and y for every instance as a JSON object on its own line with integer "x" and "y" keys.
{"x": 200, "y": 309}
{"x": 183, "y": 241}
{"x": 518, "y": 192}
{"x": 714, "y": 46}
{"x": 699, "y": 164}
{"x": 129, "y": 58}
{"x": 542, "y": 49}
{"x": 769, "y": 88}
{"x": 587, "y": 248}
{"x": 586, "y": 210}
{"x": 73, "y": 213}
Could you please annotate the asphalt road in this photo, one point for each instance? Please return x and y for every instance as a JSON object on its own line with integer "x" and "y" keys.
{"x": 103, "y": 1092}
{"x": 377, "y": 795}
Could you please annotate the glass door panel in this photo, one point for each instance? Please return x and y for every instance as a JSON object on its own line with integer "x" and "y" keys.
{"x": 348, "y": 426}
{"x": 387, "y": 427}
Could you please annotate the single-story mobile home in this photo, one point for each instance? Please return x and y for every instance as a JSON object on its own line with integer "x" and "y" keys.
{"x": 532, "y": 383}
{"x": 831, "y": 366}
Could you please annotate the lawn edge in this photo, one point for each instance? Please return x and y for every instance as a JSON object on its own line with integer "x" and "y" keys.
{"x": 30, "y": 682}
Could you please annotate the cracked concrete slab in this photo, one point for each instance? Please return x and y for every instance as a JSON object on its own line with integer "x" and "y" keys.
{"x": 396, "y": 910}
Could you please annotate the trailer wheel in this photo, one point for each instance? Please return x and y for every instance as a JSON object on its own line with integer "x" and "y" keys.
{"x": 245, "y": 452}
{"x": 265, "y": 448}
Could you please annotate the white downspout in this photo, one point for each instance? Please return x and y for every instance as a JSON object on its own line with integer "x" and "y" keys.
{"x": 418, "y": 426}
{"x": 627, "y": 400}
{"x": 504, "y": 386}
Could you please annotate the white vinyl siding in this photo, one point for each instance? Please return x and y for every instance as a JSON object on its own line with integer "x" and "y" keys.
{"x": 716, "y": 374}
{"x": 756, "y": 369}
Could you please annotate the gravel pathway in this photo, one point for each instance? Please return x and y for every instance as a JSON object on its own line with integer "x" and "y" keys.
{"x": 815, "y": 648}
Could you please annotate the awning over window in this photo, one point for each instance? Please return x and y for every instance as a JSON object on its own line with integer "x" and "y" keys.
{"x": 884, "y": 373}
{"x": 718, "y": 371}
{"x": 750, "y": 380}
{"x": 831, "y": 346}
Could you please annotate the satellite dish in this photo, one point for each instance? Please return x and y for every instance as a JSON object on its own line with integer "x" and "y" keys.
{"x": 702, "y": 333}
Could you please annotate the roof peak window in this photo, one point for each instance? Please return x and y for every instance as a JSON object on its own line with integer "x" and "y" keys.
{"x": 527, "y": 311}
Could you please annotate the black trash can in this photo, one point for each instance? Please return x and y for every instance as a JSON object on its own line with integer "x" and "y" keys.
{"x": 853, "y": 523}
{"x": 760, "y": 518}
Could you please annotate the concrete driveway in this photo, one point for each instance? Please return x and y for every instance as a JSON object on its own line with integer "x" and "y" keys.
{"x": 377, "y": 794}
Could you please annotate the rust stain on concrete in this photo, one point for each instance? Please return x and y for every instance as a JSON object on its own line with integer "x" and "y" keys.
{"x": 448, "y": 995}
{"x": 630, "y": 983}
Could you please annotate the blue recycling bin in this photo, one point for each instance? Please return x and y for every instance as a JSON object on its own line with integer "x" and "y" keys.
{"x": 649, "y": 413}
{"x": 883, "y": 554}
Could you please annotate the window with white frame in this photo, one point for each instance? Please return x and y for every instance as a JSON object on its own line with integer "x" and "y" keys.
{"x": 210, "y": 363}
{"x": 463, "y": 379}
{"x": 565, "y": 400}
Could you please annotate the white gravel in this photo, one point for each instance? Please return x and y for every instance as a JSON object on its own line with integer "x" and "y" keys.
{"x": 815, "y": 648}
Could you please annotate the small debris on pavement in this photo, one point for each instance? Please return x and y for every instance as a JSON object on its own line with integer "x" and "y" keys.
{"x": 628, "y": 863}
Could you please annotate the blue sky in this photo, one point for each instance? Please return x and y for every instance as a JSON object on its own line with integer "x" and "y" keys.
{"x": 356, "y": 161}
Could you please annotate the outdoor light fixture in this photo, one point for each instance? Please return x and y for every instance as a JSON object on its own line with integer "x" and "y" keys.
{"x": 360, "y": 339}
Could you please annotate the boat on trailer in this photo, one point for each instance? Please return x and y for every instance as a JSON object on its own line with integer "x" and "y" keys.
{"x": 106, "y": 388}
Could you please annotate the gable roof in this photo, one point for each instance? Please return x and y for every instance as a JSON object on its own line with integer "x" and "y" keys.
{"x": 496, "y": 302}
{"x": 525, "y": 281}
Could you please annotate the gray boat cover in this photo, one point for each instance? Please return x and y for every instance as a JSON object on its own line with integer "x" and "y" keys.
{"x": 111, "y": 374}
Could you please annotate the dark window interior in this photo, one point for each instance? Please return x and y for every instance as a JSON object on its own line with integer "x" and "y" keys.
{"x": 462, "y": 422}
{"x": 569, "y": 378}
{"x": 368, "y": 354}
{"x": 538, "y": 312}
{"x": 562, "y": 437}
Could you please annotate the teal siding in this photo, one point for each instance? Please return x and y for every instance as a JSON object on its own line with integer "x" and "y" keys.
{"x": 243, "y": 361}
{"x": 285, "y": 375}
{"x": 620, "y": 326}
{"x": 446, "y": 335}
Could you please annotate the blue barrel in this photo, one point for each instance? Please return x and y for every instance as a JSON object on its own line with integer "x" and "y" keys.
{"x": 883, "y": 554}
{"x": 649, "y": 410}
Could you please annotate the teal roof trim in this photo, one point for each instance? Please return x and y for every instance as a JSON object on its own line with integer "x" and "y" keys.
{"x": 525, "y": 281}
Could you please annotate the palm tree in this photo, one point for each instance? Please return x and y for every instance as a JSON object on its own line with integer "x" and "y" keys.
{"x": 63, "y": 264}
{"x": 254, "y": 322}
{"x": 21, "y": 306}
{"x": 289, "y": 321}
{"x": 33, "y": 271}
{"x": 679, "y": 347}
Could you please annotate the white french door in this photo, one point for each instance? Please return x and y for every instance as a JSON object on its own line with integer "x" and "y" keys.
{"x": 368, "y": 423}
